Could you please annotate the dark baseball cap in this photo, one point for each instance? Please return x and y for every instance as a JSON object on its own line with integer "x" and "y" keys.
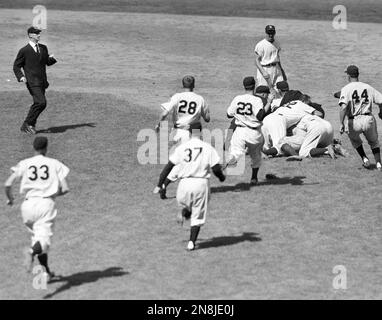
{"x": 34, "y": 30}
{"x": 270, "y": 29}
{"x": 249, "y": 82}
{"x": 282, "y": 86}
{"x": 262, "y": 89}
{"x": 188, "y": 82}
{"x": 352, "y": 71}
{"x": 40, "y": 143}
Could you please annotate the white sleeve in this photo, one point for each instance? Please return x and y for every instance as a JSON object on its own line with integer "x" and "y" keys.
{"x": 232, "y": 108}
{"x": 259, "y": 50}
{"x": 377, "y": 96}
{"x": 62, "y": 170}
{"x": 168, "y": 106}
{"x": 176, "y": 157}
{"x": 19, "y": 169}
{"x": 343, "y": 98}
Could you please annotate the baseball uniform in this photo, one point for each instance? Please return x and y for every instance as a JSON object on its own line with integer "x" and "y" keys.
{"x": 194, "y": 160}
{"x": 269, "y": 54}
{"x": 244, "y": 108}
{"x": 360, "y": 97}
{"x": 40, "y": 181}
{"x": 319, "y": 134}
{"x": 188, "y": 108}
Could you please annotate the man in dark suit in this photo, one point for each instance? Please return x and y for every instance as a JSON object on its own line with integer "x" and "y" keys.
{"x": 33, "y": 59}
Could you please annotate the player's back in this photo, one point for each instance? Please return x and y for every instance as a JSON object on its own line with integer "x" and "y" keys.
{"x": 294, "y": 111}
{"x": 40, "y": 176}
{"x": 360, "y": 96}
{"x": 194, "y": 159}
{"x": 188, "y": 108}
{"x": 245, "y": 108}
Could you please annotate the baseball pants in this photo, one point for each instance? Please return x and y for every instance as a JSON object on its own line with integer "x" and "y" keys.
{"x": 367, "y": 125}
{"x": 194, "y": 194}
{"x": 295, "y": 141}
{"x": 319, "y": 135}
{"x": 274, "y": 73}
{"x": 274, "y": 129}
{"x": 38, "y": 216}
{"x": 38, "y": 106}
{"x": 252, "y": 139}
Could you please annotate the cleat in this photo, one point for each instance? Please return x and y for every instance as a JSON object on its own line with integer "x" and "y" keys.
{"x": 294, "y": 158}
{"x": 331, "y": 152}
{"x": 32, "y": 129}
{"x": 254, "y": 182}
{"x": 28, "y": 259}
{"x": 338, "y": 149}
{"x": 366, "y": 163}
{"x": 190, "y": 246}
{"x": 25, "y": 128}
{"x": 379, "y": 166}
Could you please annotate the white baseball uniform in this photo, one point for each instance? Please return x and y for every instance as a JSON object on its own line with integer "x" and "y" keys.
{"x": 194, "y": 160}
{"x": 360, "y": 97}
{"x": 248, "y": 134}
{"x": 40, "y": 181}
{"x": 269, "y": 54}
{"x": 319, "y": 134}
{"x": 187, "y": 107}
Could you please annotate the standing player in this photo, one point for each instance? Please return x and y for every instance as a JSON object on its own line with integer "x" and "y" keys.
{"x": 194, "y": 160}
{"x": 249, "y": 112}
{"x": 356, "y": 102}
{"x": 42, "y": 180}
{"x": 187, "y": 107}
{"x": 267, "y": 60}
{"x": 33, "y": 59}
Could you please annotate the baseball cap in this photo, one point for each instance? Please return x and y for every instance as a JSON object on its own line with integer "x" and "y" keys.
{"x": 249, "y": 82}
{"x": 270, "y": 29}
{"x": 188, "y": 82}
{"x": 40, "y": 143}
{"x": 34, "y": 30}
{"x": 352, "y": 71}
{"x": 282, "y": 86}
{"x": 262, "y": 89}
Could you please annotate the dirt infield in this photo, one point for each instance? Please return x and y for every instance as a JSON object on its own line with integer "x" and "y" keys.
{"x": 114, "y": 239}
{"x": 358, "y": 11}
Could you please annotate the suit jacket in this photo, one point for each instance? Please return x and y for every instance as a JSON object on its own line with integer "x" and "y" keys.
{"x": 34, "y": 65}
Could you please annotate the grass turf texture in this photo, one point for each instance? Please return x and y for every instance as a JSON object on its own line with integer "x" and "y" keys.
{"x": 114, "y": 239}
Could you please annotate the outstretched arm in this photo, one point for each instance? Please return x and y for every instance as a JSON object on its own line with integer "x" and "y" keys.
{"x": 162, "y": 116}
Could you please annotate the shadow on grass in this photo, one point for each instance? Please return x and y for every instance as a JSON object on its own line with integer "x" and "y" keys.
{"x": 270, "y": 180}
{"x": 229, "y": 240}
{"x": 81, "y": 278}
{"x": 61, "y": 129}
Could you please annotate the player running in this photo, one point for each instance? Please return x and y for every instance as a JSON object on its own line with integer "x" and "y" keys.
{"x": 42, "y": 180}
{"x": 356, "y": 103}
{"x": 194, "y": 160}
{"x": 187, "y": 107}
{"x": 249, "y": 112}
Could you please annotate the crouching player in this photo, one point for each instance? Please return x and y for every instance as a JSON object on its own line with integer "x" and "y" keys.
{"x": 194, "y": 161}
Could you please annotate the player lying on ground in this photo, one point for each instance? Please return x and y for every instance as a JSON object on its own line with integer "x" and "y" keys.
{"x": 276, "y": 125}
{"x": 248, "y": 111}
{"x": 193, "y": 160}
{"x": 356, "y": 102}
{"x": 42, "y": 180}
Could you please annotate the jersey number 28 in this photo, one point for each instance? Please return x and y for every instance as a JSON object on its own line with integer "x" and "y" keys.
{"x": 183, "y": 106}
{"x": 43, "y": 173}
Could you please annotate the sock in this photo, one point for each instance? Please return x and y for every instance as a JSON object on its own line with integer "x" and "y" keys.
{"x": 361, "y": 152}
{"x": 316, "y": 152}
{"x": 37, "y": 249}
{"x": 255, "y": 171}
{"x": 194, "y": 233}
{"x": 377, "y": 154}
{"x": 288, "y": 150}
{"x": 43, "y": 259}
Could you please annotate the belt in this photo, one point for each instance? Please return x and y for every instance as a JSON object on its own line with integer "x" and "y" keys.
{"x": 239, "y": 125}
{"x": 270, "y": 64}
{"x": 364, "y": 114}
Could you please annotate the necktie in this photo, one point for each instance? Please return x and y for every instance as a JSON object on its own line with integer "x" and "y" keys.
{"x": 37, "y": 48}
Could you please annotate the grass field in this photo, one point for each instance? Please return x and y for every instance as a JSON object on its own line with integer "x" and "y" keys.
{"x": 114, "y": 239}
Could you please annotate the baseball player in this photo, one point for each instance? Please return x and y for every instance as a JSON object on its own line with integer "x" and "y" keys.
{"x": 356, "y": 103}
{"x": 194, "y": 160}
{"x": 313, "y": 137}
{"x": 187, "y": 107}
{"x": 42, "y": 180}
{"x": 275, "y": 125}
{"x": 267, "y": 60}
{"x": 249, "y": 112}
